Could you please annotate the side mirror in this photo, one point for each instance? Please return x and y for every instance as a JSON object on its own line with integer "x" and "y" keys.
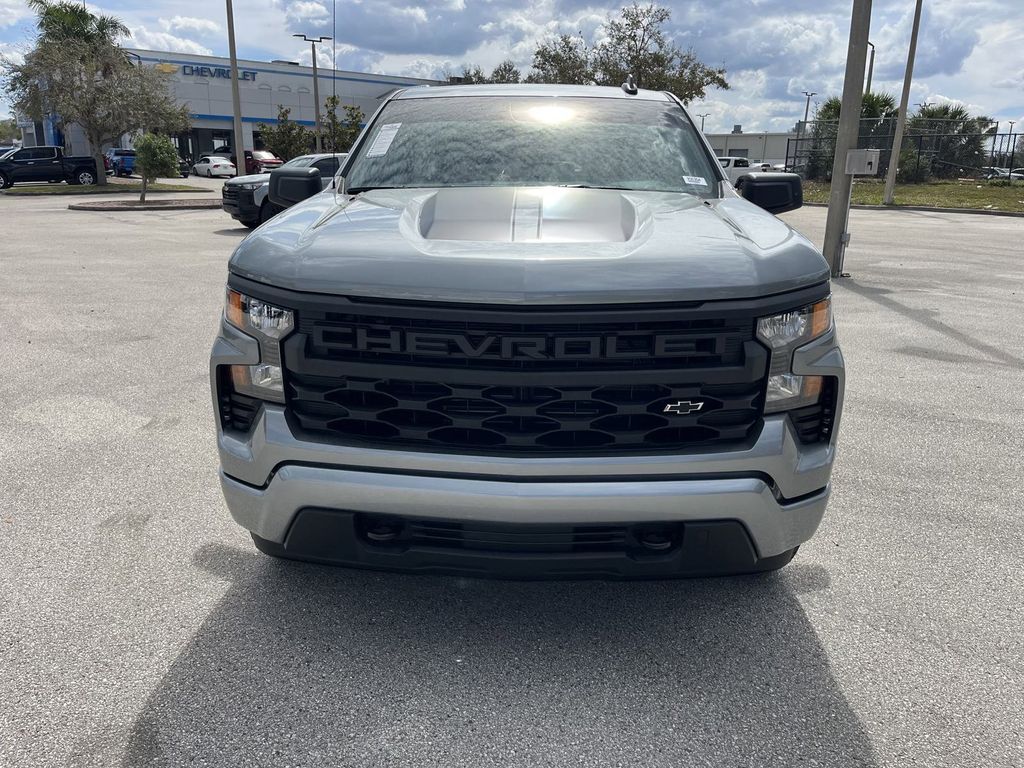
{"x": 775, "y": 192}
{"x": 289, "y": 186}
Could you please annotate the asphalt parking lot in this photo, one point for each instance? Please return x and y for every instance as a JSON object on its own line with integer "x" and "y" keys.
{"x": 139, "y": 627}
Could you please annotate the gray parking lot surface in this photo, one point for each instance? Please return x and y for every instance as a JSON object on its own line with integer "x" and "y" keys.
{"x": 139, "y": 627}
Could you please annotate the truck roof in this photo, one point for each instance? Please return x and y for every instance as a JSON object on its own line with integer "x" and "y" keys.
{"x": 529, "y": 89}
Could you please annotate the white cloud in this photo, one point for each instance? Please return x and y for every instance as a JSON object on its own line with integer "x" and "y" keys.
{"x": 155, "y": 40}
{"x": 12, "y": 51}
{"x": 190, "y": 24}
{"x": 12, "y": 12}
{"x": 307, "y": 10}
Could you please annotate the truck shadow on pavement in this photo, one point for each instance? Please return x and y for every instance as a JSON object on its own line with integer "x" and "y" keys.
{"x": 308, "y": 665}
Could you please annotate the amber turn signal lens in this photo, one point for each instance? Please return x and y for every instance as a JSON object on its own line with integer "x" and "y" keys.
{"x": 821, "y": 317}
{"x": 234, "y": 307}
{"x": 812, "y": 387}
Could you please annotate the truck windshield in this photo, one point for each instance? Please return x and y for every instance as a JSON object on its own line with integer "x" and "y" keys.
{"x": 494, "y": 141}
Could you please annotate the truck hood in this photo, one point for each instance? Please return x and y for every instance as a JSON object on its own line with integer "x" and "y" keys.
{"x": 253, "y": 177}
{"x": 529, "y": 245}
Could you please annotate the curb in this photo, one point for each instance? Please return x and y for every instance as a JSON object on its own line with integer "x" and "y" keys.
{"x": 114, "y": 191}
{"x": 151, "y": 205}
{"x": 926, "y": 208}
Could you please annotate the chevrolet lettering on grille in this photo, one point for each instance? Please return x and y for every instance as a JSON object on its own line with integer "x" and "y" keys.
{"x": 483, "y": 345}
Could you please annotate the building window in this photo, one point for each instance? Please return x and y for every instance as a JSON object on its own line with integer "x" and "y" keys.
{"x": 284, "y": 89}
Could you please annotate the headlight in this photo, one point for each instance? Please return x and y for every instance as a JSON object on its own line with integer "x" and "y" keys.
{"x": 797, "y": 327}
{"x": 269, "y": 324}
{"x": 250, "y": 185}
{"x": 248, "y": 314}
{"x": 783, "y": 333}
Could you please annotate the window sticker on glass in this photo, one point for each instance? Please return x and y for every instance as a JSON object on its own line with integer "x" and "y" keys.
{"x": 699, "y": 181}
{"x": 382, "y": 143}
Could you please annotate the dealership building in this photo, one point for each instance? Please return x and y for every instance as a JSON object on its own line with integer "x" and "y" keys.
{"x": 203, "y": 83}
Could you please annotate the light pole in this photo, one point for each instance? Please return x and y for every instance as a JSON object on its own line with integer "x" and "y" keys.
{"x": 236, "y": 101}
{"x": 706, "y": 114}
{"x": 901, "y": 118}
{"x": 1012, "y": 148}
{"x": 871, "y": 67}
{"x": 316, "y": 86}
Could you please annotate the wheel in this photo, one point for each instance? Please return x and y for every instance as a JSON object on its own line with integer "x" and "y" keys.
{"x": 194, "y": 171}
{"x": 5, "y": 182}
{"x": 85, "y": 177}
{"x": 267, "y": 211}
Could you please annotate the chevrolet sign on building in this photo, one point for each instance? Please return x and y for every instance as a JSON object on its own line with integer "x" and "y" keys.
{"x": 203, "y": 84}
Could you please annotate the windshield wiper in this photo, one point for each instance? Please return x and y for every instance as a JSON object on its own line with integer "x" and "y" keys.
{"x": 359, "y": 190}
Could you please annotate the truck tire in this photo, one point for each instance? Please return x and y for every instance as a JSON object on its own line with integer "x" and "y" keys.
{"x": 266, "y": 211}
{"x": 83, "y": 176}
{"x": 5, "y": 182}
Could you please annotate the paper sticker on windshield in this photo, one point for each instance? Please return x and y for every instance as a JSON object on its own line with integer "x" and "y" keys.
{"x": 698, "y": 181}
{"x": 382, "y": 143}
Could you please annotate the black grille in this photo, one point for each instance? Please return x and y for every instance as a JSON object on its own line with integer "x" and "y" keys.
{"x": 229, "y": 192}
{"x": 466, "y": 340}
{"x": 483, "y": 537}
{"x": 526, "y": 381}
{"x": 522, "y": 417}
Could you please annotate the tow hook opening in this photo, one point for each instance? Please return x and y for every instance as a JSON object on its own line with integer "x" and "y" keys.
{"x": 658, "y": 538}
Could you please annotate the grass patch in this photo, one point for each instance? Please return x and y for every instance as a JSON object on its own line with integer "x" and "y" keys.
{"x": 980, "y": 195}
{"x": 128, "y": 188}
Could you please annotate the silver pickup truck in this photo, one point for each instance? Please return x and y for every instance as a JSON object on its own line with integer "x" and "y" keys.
{"x": 530, "y": 331}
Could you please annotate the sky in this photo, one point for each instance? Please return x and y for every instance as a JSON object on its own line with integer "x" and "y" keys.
{"x": 970, "y": 51}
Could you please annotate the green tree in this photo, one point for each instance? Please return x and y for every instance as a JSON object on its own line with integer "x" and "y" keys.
{"x": 877, "y": 124}
{"x": 472, "y": 76}
{"x": 155, "y": 157}
{"x": 506, "y": 72}
{"x": 340, "y": 134}
{"x": 637, "y": 44}
{"x": 65, "y": 21}
{"x": 9, "y": 131}
{"x": 565, "y": 59}
{"x": 77, "y": 70}
{"x": 286, "y": 138}
{"x": 950, "y": 137}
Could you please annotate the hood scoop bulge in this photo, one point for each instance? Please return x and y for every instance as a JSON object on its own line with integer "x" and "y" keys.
{"x": 527, "y": 215}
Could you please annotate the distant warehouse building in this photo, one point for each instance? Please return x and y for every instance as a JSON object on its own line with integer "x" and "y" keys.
{"x": 203, "y": 83}
{"x": 759, "y": 145}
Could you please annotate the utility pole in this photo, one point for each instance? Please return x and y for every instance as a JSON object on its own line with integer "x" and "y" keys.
{"x": 316, "y": 87}
{"x": 807, "y": 106}
{"x": 901, "y": 118}
{"x": 836, "y": 236}
{"x": 871, "y": 67}
{"x": 706, "y": 114}
{"x": 236, "y": 100}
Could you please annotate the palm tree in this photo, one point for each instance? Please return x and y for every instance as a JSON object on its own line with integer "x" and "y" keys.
{"x": 877, "y": 116}
{"x": 947, "y": 138}
{"x": 62, "y": 21}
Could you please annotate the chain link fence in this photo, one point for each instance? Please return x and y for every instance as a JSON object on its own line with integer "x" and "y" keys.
{"x": 932, "y": 149}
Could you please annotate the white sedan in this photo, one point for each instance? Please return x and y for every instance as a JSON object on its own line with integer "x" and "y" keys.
{"x": 213, "y": 165}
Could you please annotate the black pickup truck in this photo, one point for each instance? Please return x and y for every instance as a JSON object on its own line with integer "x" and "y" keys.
{"x": 45, "y": 164}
